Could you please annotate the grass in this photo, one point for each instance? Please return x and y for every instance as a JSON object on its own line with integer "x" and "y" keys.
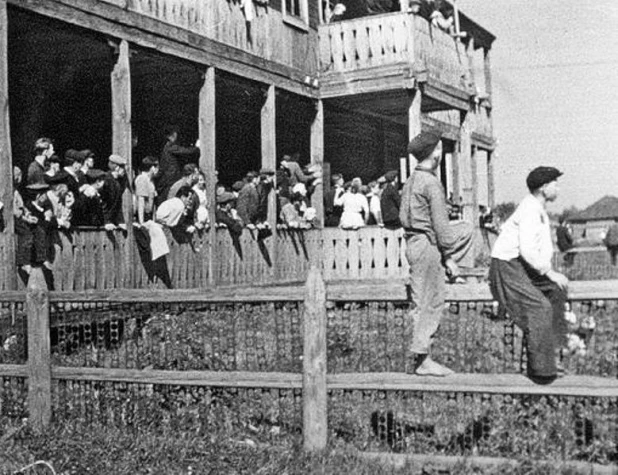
{"x": 103, "y": 450}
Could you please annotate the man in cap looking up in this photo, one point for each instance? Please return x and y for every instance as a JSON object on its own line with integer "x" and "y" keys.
{"x": 521, "y": 278}
{"x": 431, "y": 243}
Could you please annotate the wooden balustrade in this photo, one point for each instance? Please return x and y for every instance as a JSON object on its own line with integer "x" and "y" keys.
{"x": 483, "y": 124}
{"x": 93, "y": 259}
{"x": 225, "y": 22}
{"x": 366, "y": 42}
{"x": 443, "y": 57}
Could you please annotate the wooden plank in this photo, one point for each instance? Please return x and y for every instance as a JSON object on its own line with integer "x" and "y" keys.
{"x": 414, "y": 121}
{"x": 13, "y": 371}
{"x": 230, "y": 379}
{"x": 168, "y": 39}
{"x": 6, "y": 162}
{"x": 39, "y": 352}
{"x": 317, "y": 158}
{"x": 349, "y": 46}
{"x": 122, "y": 145}
{"x": 362, "y": 45}
{"x": 450, "y": 464}
{"x": 569, "y": 386}
{"x": 574, "y": 386}
{"x": 337, "y": 46}
{"x": 268, "y": 121}
{"x": 315, "y": 400}
{"x": 208, "y": 154}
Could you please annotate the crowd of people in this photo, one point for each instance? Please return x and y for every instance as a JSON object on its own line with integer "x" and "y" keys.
{"x": 55, "y": 194}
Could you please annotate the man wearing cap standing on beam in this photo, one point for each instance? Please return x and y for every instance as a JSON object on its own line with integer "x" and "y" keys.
{"x": 432, "y": 244}
{"x": 522, "y": 281}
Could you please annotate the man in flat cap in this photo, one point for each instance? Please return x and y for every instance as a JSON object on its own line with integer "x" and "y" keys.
{"x": 432, "y": 243}
{"x": 114, "y": 185}
{"x": 523, "y": 282}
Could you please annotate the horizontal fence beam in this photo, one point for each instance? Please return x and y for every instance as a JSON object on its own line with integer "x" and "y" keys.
{"x": 381, "y": 291}
{"x": 573, "y": 386}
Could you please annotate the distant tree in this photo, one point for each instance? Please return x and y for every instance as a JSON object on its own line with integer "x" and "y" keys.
{"x": 568, "y": 213}
{"x": 502, "y": 211}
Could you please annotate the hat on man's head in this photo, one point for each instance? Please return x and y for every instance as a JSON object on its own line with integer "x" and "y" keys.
{"x": 87, "y": 153}
{"x": 239, "y": 185}
{"x": 225, "y": 197}
{"x": 424, "y": 144}
{"x": 94, "y": 175}
{"x": 117, "y": 159}
{"x": 391, "y": 175}
{"x": 540, "y": 176}
{"x": 267, "y": 171}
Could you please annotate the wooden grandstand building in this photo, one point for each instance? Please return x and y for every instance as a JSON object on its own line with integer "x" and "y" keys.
{"x": 252, "y": 81}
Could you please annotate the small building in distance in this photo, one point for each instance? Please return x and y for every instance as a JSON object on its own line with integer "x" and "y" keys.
{"x": 591, "y": 223}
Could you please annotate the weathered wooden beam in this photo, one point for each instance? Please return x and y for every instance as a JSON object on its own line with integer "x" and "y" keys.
{"x": 208, "y": 154}
{"x": 268, "y": 121}
{"x": 571, "y": 386}
{"x": 13, "y": 370}
{"x": 491, "y": 192}
{"x": 487, "y": 70}
{"x": 151, "y": 33}
{"x": 367, "y": 80}
{"x": 414, "y": 122}
{"x": 465, "y": 166}
{"x": 122, "y": 145}
{"x": 315, "y": 399}
{"x": 317, "y": 158}
{"x": 352, "y": 290}
{"x": 7, "y": 258}
{"x": 39, "y": 351}
{"x": 575, "y": 386}
{"x": 450, "y": 464}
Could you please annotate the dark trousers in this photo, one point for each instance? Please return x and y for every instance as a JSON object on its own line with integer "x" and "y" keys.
{"x": 23, "y": 253}
{"x": 536, "y": 305}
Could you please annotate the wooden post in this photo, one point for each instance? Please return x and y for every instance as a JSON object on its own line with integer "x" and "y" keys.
{"x": 269, "y": 160}
{"x": 487, "y": 67}
{"x": 475, "y": 184}
{"x": 491, "y": 189}
{"x": 414, "y": 122}
{"x": 39, "y": 362}
{"x": 122, "y": 145}
{"x": 468, "y": 181}
{"x": 317, "y": 158}
{"x": 314, "y": 364}
{"x": 7, "y": 259}
{"x": 207, "y": 135}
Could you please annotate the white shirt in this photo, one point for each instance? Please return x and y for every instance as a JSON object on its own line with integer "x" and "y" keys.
{"x": 526, "y": 233}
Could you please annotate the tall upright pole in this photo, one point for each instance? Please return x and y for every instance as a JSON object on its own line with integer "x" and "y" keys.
{"x": 7, "y": 259}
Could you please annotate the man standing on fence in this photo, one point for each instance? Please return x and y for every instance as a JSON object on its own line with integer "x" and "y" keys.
{"x": 522, "y": 280}
{"x": 431, "y": 243}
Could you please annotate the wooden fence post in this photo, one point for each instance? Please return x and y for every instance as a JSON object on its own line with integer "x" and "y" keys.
{"x": 315, "y": 427}
{"x": 39, "y": 362}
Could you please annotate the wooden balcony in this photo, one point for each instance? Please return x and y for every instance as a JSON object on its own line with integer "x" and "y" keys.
{"x": 392, "y": 51}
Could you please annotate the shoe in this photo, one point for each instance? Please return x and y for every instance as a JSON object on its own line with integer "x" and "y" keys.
{"x": 429, "y": 367}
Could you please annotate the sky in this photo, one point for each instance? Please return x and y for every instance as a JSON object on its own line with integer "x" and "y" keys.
{"x": 555, "y": 94}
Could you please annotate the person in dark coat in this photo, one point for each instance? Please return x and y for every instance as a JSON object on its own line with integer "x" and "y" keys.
{"x": 224, "y": 214}
{"x": 71, "y": 174}
{"x": 45, "y": 222}
{"x": 248, "y": 202}
{"x": 114, "y": 185}
{"x": 390, "y": 201}
{"x": 266, "y": 183}
{"x": 43, "y": 150}
{"x": 173, "y": 158}
{"x": 332, "y": 212}
{"x": 88, "y": 209}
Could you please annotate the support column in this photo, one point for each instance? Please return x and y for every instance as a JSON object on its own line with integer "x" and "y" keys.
{"x": 269, "y": 160}
{"x": 487, "y": 67}
{"x": 414, "y": 122}
{"x": 207, "y": 137}
{"x": 491, "y": 188}
{"x": 317, "y": 158}
{"x": 7, "y": 242}
{"x": 475, "y": 182}
{"x": 121, "y": 145}
{"x": 465, "y": 166}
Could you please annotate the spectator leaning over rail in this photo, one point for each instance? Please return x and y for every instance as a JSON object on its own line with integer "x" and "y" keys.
{"x": 522, "y": 281}
{"x": 43, "y": 150}
{"x": 431, "y": 243}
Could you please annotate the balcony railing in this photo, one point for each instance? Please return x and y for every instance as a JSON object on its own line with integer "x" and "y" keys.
{"x": 224, "y": 21}
{"x": 389, "y": 39}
